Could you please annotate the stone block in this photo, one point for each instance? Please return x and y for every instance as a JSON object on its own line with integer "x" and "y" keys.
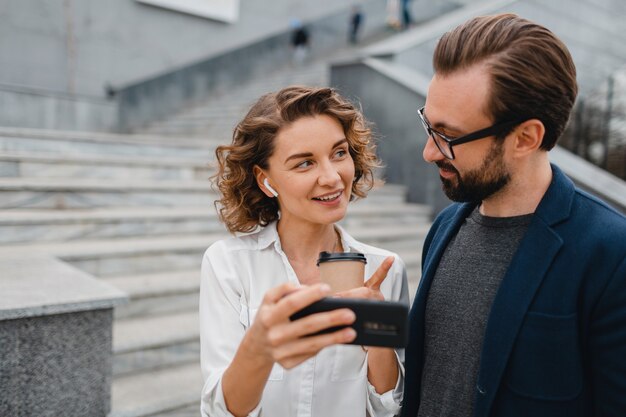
{"x": 58, "y": 365}
{"x": 55, "y": 338}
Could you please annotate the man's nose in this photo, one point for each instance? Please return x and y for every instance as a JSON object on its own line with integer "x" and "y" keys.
{"x": 431, "y": 152}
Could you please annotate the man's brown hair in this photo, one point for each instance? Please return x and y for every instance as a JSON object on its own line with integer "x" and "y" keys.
{"x": 532, "y": 73}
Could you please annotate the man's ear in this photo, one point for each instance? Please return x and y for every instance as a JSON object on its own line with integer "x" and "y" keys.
{"x": 529, "y": 137}
{"x": 260, "y": 176}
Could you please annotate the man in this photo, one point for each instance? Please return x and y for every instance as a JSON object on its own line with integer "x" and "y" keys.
{"x": 407, "y": 19}
{"x": 299, "y": 41}
{"x": 356, "y": 18}
{"x": 521, "y": 310}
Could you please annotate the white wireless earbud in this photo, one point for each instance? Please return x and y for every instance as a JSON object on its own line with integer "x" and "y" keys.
{"x": 269, "y": 187}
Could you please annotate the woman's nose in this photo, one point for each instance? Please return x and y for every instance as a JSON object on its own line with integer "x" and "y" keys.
{"x": 328, "y": 175}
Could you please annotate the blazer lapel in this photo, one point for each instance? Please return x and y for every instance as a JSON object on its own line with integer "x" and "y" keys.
{"x": 518, "y": 287}
{"x": 524, "y": 276}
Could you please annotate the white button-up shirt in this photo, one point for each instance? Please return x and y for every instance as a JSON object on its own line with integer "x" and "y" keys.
{"x": 236, "y": 274}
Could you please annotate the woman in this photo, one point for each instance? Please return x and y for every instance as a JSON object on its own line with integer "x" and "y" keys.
{"x": 296, "y": 160}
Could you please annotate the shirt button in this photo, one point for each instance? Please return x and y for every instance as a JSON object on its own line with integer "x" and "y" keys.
{"x": 481, "y": 390}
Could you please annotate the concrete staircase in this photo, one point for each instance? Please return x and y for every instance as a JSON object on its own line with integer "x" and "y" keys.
{"x": 136, "y": 211}
{"x": 217, "y": 117}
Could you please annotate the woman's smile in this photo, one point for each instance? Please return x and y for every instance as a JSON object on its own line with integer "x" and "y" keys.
{"x": 329, "y": 199}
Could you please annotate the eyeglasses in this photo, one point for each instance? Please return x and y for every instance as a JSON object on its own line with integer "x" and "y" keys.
{"x": 445, "y": 143}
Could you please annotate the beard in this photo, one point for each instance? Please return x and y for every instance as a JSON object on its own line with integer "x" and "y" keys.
{"x": 478, "y": 184}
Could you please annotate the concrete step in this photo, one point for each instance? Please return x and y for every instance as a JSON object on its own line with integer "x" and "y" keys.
{"x": 158, "y": 293}
{"x": 27, "y": 225}
{"x": 156, "y": 392}
{"x": 38, "y": 165}
{"x": 66, "y": 193}
{"x": 73, "y": 143}
{"x": 70, "y": 193}
{"x": 111, "y": 257}
{"x": 133, "y": 335}
{"x": 24, "y": 226}
{"x": 154, "y": 342}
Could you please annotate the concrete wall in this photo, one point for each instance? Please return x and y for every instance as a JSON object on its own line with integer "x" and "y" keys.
{"x": 58, "y": 56}
{"x": 78, "y": 46}
{"x": 24, "y": 107}
{"x": 392, "y": 106}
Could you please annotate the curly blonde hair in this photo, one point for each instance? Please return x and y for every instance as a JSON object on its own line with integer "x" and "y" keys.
{"x": 243, "y": 206}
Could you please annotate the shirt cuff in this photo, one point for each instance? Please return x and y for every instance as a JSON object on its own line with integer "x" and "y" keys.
{"x": 388, "y": 403}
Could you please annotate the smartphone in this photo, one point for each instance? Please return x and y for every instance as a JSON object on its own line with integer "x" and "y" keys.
{"x": 378, "y": 323}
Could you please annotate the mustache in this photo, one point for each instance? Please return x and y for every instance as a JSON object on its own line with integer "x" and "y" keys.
{"x": 446, "y": 166}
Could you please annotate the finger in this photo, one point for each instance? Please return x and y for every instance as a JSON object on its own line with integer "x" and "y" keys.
{"x": 362, "y": 293}
{"x": 287, "y": 332}
{"x": 313, "y": 344}
{"x": 273, "y": 295}
{"x": 300, "y": 299}
{"x": 381, "y": 273}
{"x": 359, "y": 292}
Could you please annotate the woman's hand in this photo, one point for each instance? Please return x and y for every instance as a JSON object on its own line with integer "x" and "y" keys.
{"x": 275, "y": 338}
{"x": 371, "y": 287}
{"x": 382, "y": 365}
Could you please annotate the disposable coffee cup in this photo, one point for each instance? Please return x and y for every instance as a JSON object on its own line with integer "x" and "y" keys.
{"x": 342, "y": 270}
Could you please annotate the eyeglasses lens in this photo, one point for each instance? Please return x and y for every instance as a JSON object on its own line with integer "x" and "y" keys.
{"x": 443, "y": 146}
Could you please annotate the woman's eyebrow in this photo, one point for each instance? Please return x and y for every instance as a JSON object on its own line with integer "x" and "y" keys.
{"x": 298, "y": 155}
{"x": 340, "y": 142}
{"x": 309, "y": 154}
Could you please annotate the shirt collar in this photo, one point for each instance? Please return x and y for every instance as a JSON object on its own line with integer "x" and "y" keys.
{"x": 268, "y": 235}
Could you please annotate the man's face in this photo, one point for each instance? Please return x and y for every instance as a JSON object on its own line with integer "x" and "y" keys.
{"x": 455, "y": 106}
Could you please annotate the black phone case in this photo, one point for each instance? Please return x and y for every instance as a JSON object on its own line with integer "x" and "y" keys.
{"x": 378, "y": 323}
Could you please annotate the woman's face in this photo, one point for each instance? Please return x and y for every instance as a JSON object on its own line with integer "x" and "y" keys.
{"x": 312, "y": 170}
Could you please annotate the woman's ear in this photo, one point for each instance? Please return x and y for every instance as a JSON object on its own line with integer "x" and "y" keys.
{"x": 529, "y": 137}
{"x": 263, "y": 183}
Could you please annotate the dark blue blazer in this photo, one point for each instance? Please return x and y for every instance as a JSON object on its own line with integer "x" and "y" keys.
{"x": 555, "y": 341}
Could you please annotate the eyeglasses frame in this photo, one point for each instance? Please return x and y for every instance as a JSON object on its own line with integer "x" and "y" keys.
{"x": 492, "y": 130}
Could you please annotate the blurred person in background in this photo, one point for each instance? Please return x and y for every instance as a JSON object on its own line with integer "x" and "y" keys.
{"x": 356, "y": 21}
{"x": 407, "y": 19}
{"x": 393, "y": 13}
{"x": 299, "y": 41}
